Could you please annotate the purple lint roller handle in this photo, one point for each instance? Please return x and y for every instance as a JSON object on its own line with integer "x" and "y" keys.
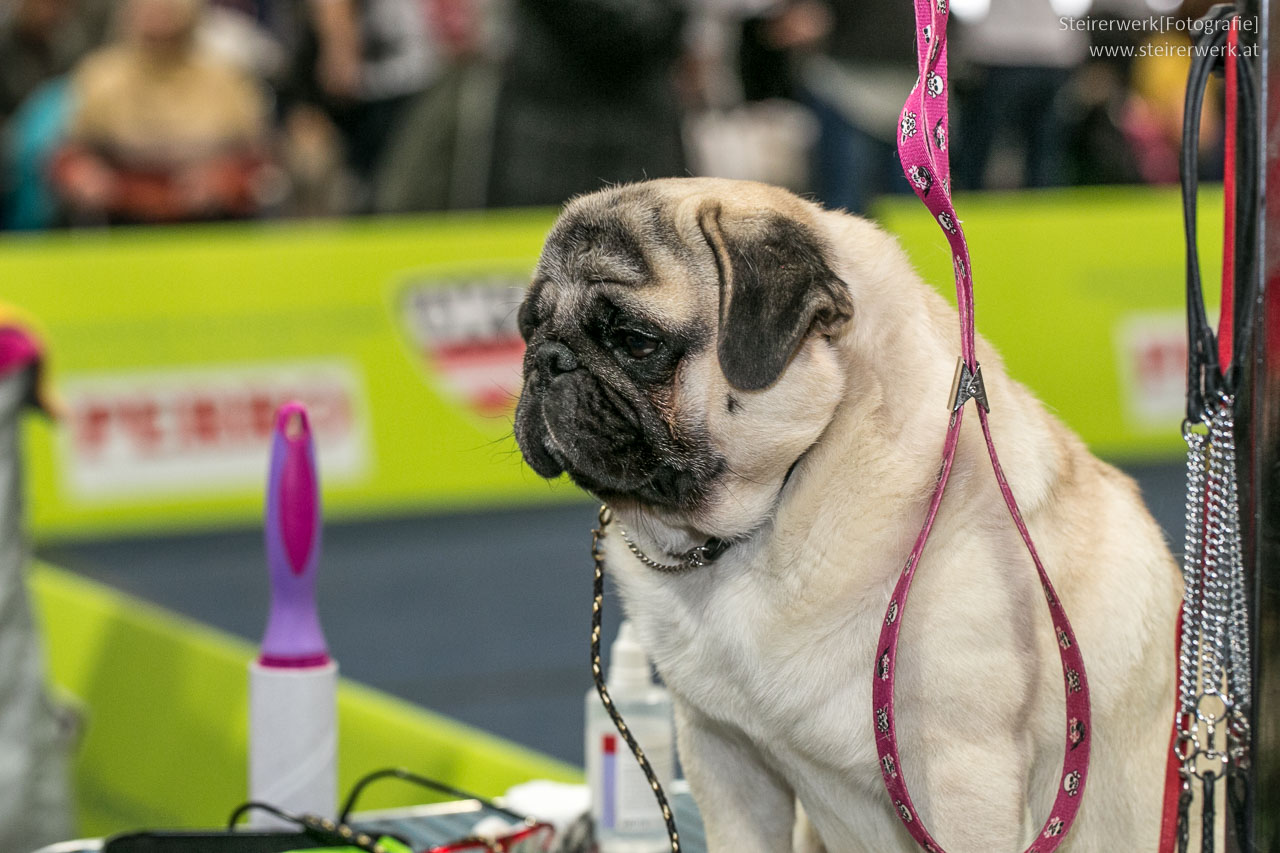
{"x": 293, "y": 637}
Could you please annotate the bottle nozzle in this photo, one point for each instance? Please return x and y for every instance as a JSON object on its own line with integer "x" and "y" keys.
{"x": 293, "y": 636}
{"x": 628, "y": 663}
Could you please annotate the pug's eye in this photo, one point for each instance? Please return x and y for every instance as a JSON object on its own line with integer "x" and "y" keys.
{"x": 636, "y": 345}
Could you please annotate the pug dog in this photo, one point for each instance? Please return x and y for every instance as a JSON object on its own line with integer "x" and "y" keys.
{"x": 759, "y": 390}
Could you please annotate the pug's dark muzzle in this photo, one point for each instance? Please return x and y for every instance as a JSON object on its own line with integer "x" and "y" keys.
{"x": 570, "y": 420}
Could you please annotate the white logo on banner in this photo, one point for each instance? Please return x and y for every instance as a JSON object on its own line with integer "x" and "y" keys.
{"x": 464, "y": 331}
{"x": 200, "y": 430}
{"x": 1152, "y": 359}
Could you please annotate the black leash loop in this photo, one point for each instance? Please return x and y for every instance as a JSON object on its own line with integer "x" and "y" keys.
{"x": 1204, "y": 375}
{"x": 1207, "y": 381}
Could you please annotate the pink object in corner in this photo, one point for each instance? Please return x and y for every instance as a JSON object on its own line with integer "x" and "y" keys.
{"x": 18, "y": 349}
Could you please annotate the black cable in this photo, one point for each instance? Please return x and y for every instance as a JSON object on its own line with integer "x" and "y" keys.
{"x": 423, "y": 781}
{"x": 327, "y": 832}
{"x": 252, "y": 805}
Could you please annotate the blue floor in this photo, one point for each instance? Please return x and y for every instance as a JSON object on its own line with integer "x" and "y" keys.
{"x": 481, "y": 616}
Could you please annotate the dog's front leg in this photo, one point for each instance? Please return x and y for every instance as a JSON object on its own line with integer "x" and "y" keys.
{"x": 745, "y": 806}
{"x": 972, "y": 801}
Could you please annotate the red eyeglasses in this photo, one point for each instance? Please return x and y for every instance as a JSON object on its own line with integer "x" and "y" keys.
{"x": 528, "y": 836}
{"x": 534, "y": 838}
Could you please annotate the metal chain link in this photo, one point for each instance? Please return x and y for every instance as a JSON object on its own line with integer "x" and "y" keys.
{"x": 1193, "y": 542}
{"x": 1214, "y": 602}
{"x": 1214, "y": 665}
{"x": 1237, "y": 653}
{"x": 694, "y": 558}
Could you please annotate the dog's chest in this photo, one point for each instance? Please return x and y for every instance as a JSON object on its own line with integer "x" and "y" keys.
{"x": 791, "y": 672}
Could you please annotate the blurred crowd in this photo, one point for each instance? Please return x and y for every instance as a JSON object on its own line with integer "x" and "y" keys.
{"x": 135, "y": 111}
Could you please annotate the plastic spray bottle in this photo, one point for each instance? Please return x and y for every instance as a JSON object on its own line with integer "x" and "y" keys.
{"x": 626, "y": 815}
{"x": 293, "y": 684}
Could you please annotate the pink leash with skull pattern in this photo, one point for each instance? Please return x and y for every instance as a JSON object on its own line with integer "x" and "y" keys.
{"x": 922, "y": 147}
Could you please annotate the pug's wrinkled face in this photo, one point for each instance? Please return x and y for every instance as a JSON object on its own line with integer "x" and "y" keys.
{"x": 601, "y": 370}
{"x": 660, "y": 323}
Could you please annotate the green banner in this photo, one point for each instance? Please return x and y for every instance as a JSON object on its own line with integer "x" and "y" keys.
{"x": 1082, "y": 292}
{"x": 173, "y": 346}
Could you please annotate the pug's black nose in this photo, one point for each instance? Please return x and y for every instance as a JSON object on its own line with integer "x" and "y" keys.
{"x": 555, "y": 358}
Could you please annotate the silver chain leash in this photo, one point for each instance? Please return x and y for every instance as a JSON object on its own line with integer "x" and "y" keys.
{"x": 1237, "y": 657}
{"x": 1214, "y": 663}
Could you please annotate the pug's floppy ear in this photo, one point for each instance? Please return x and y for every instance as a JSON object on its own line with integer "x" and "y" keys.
{"x": 775, "y": 289}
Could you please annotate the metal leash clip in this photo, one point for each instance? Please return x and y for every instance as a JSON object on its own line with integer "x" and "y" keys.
{"x": 967, "y": 385}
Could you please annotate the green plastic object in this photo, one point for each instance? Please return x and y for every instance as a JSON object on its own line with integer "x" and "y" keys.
{"x": 387, "y": 843}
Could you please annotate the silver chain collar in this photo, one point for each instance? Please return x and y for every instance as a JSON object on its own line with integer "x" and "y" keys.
{"x": 694, "y": 558}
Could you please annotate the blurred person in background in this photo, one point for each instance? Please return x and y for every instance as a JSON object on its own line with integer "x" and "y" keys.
{"x": 854, "y": 67}
{"x": 43, "y": 39}
{"x": 438, "y": 157}
{"x": 40, "y": 41}
{"x": 741, "y": 119}
{"x": 1097, "y": 99}
{"x": 1013, "y": 59}
{"x": 359, "y": 64}
{"x": 588, "y": 96}
{"x": 1153, "y": 112}
{"x": 160, "y": 129}
{"x": 313, "y": 158}
{"x": 247, "y": 33}
{"x": 1125, "y": 103}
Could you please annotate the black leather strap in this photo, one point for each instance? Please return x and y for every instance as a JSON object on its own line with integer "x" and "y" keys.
{"x": 1207, "y": 379}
